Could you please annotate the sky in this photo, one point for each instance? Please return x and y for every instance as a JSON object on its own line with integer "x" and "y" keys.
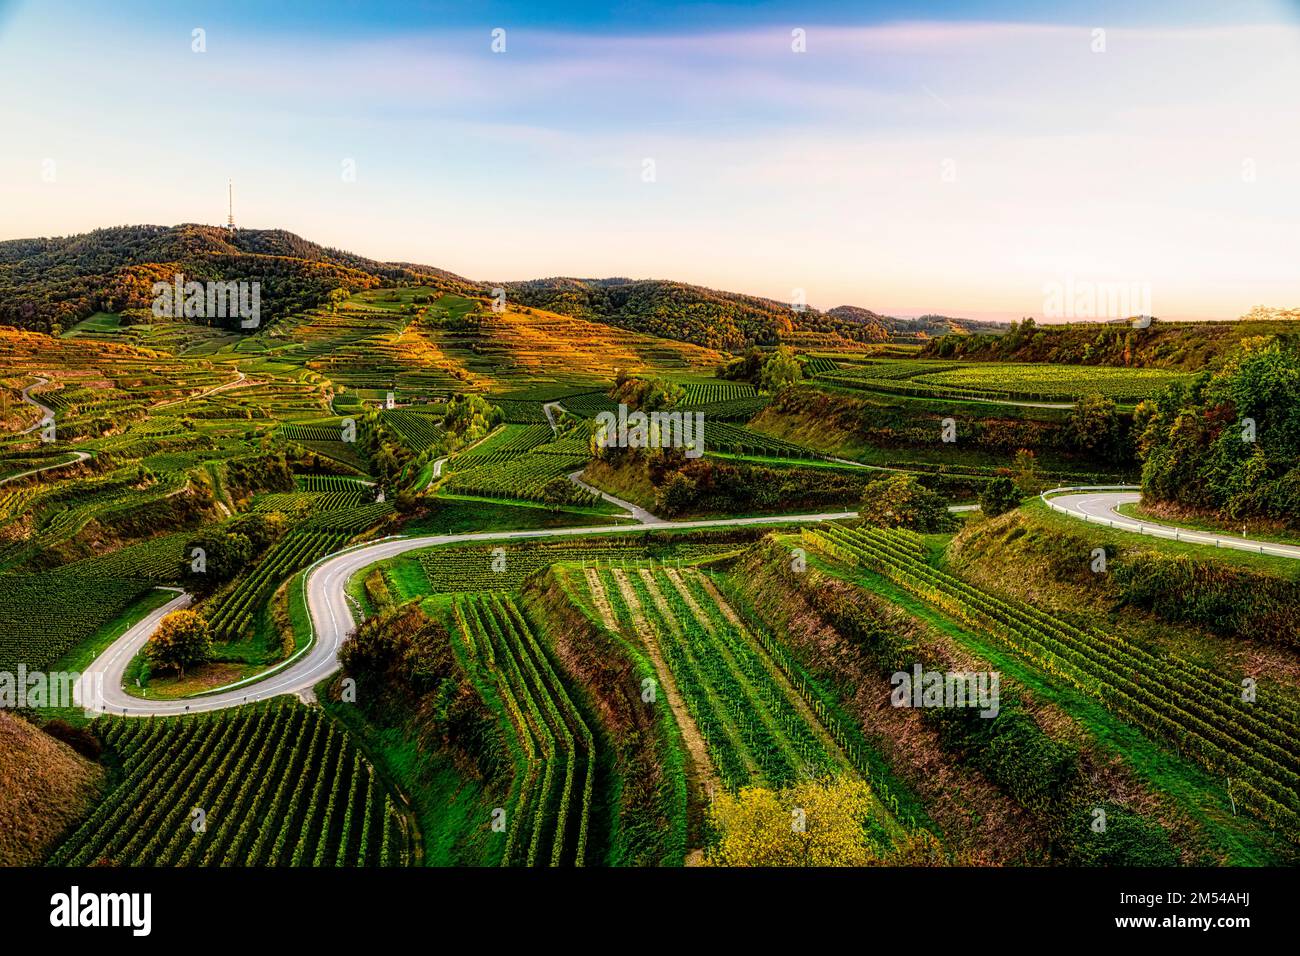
{"x": 969, "y": 159}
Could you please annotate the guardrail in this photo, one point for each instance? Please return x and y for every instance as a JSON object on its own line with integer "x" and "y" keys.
{"x": 1159, "y": 530}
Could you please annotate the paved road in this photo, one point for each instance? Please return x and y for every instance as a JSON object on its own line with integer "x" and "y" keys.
{"x": 100, "y": 686}
{"x": 78, "y": 456}
{"x": 1100, "y": 506}
{"x": 436, "y": 473}
{"x": 47, "y": 413}
{"x": 331, "y": 616}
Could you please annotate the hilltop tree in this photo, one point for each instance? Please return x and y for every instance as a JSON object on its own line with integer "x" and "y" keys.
{"x": 645, "y": 394}
{"x": 768, "y": 371}
{"x": 780, "y": 369}
{"x": 182, "y": 640}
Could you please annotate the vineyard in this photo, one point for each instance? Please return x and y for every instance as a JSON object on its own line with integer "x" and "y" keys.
{"x": 453, "y": 570}
{"x": 1174, "y": 699}
{"x": 537, "y": 692}
{"x": 521, "y": 462}
{"x": 231, "y": 619}
{"x": 267, "y": 785}
{"x": 548, "y": 811}
{"x": 760, "y": 718}
{"x": 1013, "y": 382}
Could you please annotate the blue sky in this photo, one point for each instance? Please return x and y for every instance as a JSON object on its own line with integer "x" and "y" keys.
{"x": 940, "y": 156}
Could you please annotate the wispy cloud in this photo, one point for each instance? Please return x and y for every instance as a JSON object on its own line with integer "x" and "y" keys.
{"x": 943, "y": 165}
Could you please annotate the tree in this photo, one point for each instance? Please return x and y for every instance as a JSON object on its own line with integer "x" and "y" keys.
{"x": 215, "y": 557}
{"x": 1094, "y": 428}
{"x": 676, "y": 495}
{"x": 900, "y": 501}
{"x": 1230, "y": 442}
{"x": 814, "y": 823}
{"x": 645, "y": 394}
{"x": 1000, "y": 496}
{"x": 780, "y": 369}
{"x": 1025, "y": 467}
{"x": 182, "y": 640}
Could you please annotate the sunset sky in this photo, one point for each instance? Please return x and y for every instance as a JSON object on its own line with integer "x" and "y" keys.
{"x": 927, "y": 157}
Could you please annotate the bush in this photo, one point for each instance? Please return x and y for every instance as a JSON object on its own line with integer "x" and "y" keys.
{"x": 1127, "y": 840}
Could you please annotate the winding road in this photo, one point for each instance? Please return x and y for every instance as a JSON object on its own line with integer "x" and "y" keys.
{"x": 78, "y": 457}
{"x": 100, "y": 687}
{"x": 47, "y": 414}
{"x": 1100, "y": 505}
{"x": 332, "y": 618}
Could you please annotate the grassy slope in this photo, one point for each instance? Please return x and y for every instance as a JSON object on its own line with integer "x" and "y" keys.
{"x": 450, "y": 810}
{"x": 45, "y": 787}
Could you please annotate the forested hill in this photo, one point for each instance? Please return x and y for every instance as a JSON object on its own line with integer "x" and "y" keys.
{"x": 48, "y": 285}
{"x": 925, "y": 326}
{"x": 689, "y": 313}
{"x": 1178, "y": 345}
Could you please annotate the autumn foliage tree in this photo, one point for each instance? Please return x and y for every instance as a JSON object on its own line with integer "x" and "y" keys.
{"x": 182, "y": 640}
{"x": 813, "y": 823}
{"x": 900, "y": 501}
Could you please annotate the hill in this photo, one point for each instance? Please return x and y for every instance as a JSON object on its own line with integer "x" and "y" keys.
{"x": 44, "y": 787}
{"x": 50, "y": 284}
{"x": 925, "y": 326}
{"x": 675, "y": 310}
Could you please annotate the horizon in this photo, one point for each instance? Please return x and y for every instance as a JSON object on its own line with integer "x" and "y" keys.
{"x": 901, "y": 163}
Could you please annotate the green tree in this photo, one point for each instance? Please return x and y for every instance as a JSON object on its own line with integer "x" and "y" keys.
{"x": 1228, "y": 442}
{"x": 1000, "y": 496}
{"x": 182, "y": 640}
{"x": 780, "y": 369}
{"x": 1094, "y": 428}
{"x": 900, "y": 501}
{"x": 1025, "y": 470}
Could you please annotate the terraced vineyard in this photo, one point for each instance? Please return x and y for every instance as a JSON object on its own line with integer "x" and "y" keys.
{"x": 418, "y": 430}
{"x": 506, "y": 668}
{"x": 520, "y": 462}
{"x": 269, "y": 785}
{"x": 763, "y": 721}
{"x": 1171, "y": 698}
{"x": 489, "y": 568}
{"x": 232, "y": 618}
{"x": 548, "y": 812}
